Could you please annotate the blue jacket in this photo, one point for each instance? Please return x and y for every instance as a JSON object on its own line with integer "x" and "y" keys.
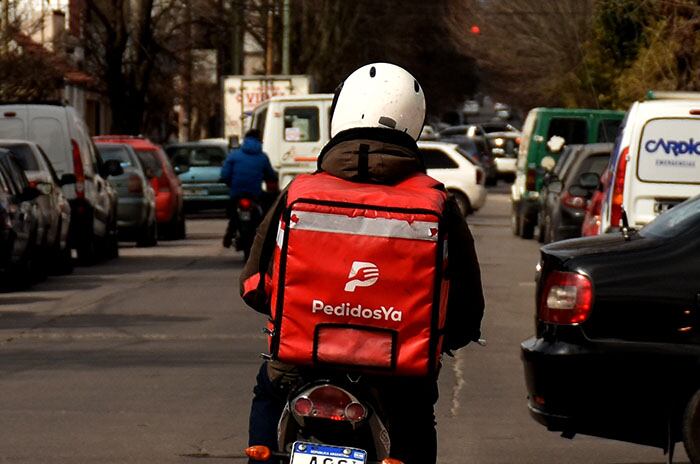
{"x": 246, "y": 167}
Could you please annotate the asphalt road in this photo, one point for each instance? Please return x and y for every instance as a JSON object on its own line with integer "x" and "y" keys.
{"x": 151, "y": 359}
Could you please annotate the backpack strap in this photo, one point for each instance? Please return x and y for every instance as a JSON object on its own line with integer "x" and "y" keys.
{"x": 268, "y": 246}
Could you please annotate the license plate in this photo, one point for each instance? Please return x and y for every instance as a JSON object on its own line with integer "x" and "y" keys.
{"x": 244, "y": 215}
{"x": 195, "y": 192}
{"x": 314, "y": 453}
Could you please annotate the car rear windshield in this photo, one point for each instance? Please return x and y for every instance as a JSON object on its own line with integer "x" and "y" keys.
{"x": 675, "y": 221}
{"x": 115, "y": 153}
{"x": 468, "y": 150}
{"x": 198, "y": 156}
{"x": 24, "y": 155}
{"x": 573, "y": 130}
{"x": 151, "y": 164}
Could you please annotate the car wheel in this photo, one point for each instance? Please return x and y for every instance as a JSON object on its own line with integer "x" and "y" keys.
{"x": 691, "y": 428}
{"x": 87, "y": 249}
{"x": 465, "y": 207}
{"x": 149, "y": 236}
{"x": 112, "y": 242}
{"x": 527, "y": 228}
{"x": 181, "y": 227}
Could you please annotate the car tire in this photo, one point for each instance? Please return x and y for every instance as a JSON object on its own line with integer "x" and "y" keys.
{"x": 149, "y": 236}
{"x": 112, "y": 241}
{"x": 64, "y": 261}
{"x": 691, "y": 428}
{"x": 87, "y": 249}
{"x": 181, "y": 227}
{"x": 463, "y": 203}
{"x": 527, "y": 228}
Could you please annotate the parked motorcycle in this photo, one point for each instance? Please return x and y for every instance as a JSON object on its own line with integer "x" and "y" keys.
{"x": 249, "y": 213}
{"x": 330, "y": 420}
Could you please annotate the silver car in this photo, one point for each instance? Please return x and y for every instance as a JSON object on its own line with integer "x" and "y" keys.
{"x": 136, "y": 207}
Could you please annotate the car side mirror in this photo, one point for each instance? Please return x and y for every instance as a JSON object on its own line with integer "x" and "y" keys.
{"x": 555, "y": 186}
{"x": 67, "y": 179}
{"x": 112, "y": 167}
{"x": 548, "y": 163}
{"x": 555, "y": 144}
{"x": 29, "y": 194}
{"x": 589, "y": 180}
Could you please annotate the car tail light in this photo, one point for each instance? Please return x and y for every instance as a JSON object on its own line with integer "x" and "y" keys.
{"x": 134, "y": 184}
{"x": 479, "y": 176}
{"x": 567, "y": 298}
{"x": 78, "y": 169}
{"x": 245, "y": 203}
{"x": 155, "y": 184}
{"x": 530, "y": 180}
{"x": 163, "y": 184}
{"x": 618, "y": 189}
{"x": 573, "y": 201}
{"x": 391, "y": 461}
{"x": 33, "y": 183}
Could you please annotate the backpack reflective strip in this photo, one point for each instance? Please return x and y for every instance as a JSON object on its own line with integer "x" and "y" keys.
{"x": 360, "y": 225}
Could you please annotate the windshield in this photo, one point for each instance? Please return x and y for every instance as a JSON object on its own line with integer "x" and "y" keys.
{"x": 468, "y": 150}
{"x": 198, "y": 156}
{"x": 151, "y": 163}
{"x": 675, "y": 221}
{"x": 115, "y": 153}
{"x": 24, "y": 155}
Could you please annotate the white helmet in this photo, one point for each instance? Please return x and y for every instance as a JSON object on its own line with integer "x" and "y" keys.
{"x": 379, "y": 95}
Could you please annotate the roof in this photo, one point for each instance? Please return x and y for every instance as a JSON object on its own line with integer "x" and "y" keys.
{"x": 579, "y": 111}
{"x": 135, "y": 141}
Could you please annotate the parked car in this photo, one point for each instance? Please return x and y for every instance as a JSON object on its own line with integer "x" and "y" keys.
{"x": 64, "y": 137}
{"x": 615, "y": 353}
{"x": 198, "y": 165}
{"x": 19, "y": 222}
{"x": 170, "y": 213}
{"x": 465, "y": 135}
{"x": 451, "y": 165}
{"x": 654, "y": 165}
{"x": 54, "y": 252}
{"x": 565, "y": 195}
{"x": 136, "y": 212}
{"x": 542, "y": 127}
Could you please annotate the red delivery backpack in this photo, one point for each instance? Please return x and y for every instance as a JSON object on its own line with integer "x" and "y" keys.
{"x": 358, "y": 276}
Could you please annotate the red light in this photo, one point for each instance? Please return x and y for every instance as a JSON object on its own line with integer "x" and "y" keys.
{"x": 355, "y": 412}
{"x": 475, "y": 29}
{"x": 618, "y": 189}
{"x": 245, "y": 203}
{"x": 566, "y": 299}
{"x": 79, "y": 171}
{"x": 33, "y": 183}
{"x": 303, "y": 406}
{"x": 329, "y": 402}
{"x": 573, "y": 201}
{"x": 258, "y": 453}
{"x": 530, "y": 180}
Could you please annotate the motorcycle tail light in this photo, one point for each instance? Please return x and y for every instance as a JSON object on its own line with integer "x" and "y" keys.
{"x": 245, "y": 203}
{"x": 258, "y": 453}
{"x": 391, "y": 461}
{"x": 566, "y": 299}
{"x": 303, "y": 406}
{"x": 355, "y": 412}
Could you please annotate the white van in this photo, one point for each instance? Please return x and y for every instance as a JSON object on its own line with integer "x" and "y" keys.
{"x": 294, "y": 129}
{"x": 64, "y": 137}
{"x": 656, "y": 160}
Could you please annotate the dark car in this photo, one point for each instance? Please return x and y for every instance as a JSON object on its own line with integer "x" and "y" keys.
{"x": 54, "y": 251}
{"x": 19, "y": 221}
{"x": 617, "y": 344}
{"x": 198, "y": 165}
{"x": 463, "y": 136}
{"x": 136, "y": 210}
{"x": 567, "y": 191}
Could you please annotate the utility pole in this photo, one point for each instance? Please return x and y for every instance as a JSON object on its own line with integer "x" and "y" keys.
{"x": 270, "y": 52}
{"x": 285, "y": 37}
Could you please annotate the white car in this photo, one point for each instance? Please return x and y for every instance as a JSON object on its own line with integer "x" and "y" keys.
{"x": 447, "y": 163}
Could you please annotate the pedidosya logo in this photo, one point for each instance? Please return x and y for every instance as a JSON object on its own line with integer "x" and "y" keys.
{"x": 362, "y": 274}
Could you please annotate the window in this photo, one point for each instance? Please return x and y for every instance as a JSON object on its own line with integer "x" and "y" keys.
{"x": 199, "y": 156}
{"x": 259, "y": 122}
{"x": 574, "y": 131}
{"x": 151, "y": 163}
{"x": 24, "y": 155}
{"x": 115, "y": 153}
{"x": 47, "y": 133}
{"x": 675, "y": 221}
{"x": 301, "y": 124}
{"x": 608, "y": 129}
{"x": 437, "y": 159}
{"x": 49, "y": 166}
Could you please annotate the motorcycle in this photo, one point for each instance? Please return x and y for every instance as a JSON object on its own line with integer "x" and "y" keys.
{"x": 249, "y": 213}
{"x": 330, "y": 420}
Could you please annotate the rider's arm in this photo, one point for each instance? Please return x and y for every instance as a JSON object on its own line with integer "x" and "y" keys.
{"x": 255, "y": 295}
{"x": 465, "y": 304}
